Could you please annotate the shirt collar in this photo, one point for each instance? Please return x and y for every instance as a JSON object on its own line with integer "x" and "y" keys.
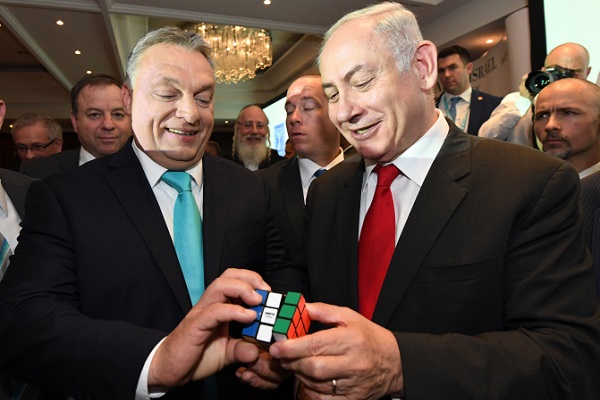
{"x": 309, "y": 167}
{"x": 416, "y": 161}
{"x": 85, "y": 156}
{"x": 589, "y": 171}
{"x": 3, "y": 202}
{"x": 155, "y": 171}
{"x": 466, "y": 95}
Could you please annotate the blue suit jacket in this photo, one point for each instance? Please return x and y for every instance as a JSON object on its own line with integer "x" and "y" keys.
{"x": 482, "y": 105}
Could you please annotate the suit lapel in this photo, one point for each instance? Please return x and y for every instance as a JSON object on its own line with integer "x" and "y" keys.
{"x": 437, "y": 200}
{"x": 475, "y": 112}
{"x": 293, "y": 198}
{"x": 214, "y": 213}
{"x": 347, "y": 215}
{"x": 126, "y": 178}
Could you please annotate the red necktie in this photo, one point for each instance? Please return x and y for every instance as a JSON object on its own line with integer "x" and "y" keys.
{"x": 377, "y": 241}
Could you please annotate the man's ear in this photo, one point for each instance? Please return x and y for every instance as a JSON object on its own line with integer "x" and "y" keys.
{"x": 469, "y": 67}
{"x": 2, "y": 111}
{"x": 74, "y": 121}
{"x": 426, "y": 58}
{"x": 126, "y": 94}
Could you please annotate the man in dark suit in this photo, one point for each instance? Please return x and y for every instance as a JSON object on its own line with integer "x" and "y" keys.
{"x": 251, "y": 140}
{"x": 316, "y": 141}
{"x": 472, "y": 107}
{"x": 13, "y": 188}
{"x": 590, "y": 203}
{"x": 486, "y": 289}
{"x": 97, "y": 304}
{"x": 99, "y": 118}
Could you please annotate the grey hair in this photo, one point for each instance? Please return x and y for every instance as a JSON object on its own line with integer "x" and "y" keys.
{"x": 394, "y": 23}
{"x": 169, "y": 35}
{"x": 55, "y": 131}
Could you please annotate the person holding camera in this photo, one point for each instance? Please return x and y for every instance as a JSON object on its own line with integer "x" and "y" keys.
{"x": 511, "y": 121}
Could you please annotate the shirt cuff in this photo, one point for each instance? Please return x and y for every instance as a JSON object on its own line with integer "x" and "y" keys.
{"x": 142, "y": 392}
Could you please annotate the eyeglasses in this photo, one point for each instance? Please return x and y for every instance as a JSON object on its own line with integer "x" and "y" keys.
{"x": 250, "y": 124}
{"x": 36, "y": 147}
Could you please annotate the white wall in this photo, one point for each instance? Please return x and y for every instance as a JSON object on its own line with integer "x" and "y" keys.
{"x": 575, "y": 22}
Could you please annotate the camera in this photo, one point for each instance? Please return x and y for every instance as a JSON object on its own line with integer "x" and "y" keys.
{"x": 537, "y": 80}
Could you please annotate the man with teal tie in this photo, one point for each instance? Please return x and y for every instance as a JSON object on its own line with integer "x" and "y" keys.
{"x": 103, "y": 274}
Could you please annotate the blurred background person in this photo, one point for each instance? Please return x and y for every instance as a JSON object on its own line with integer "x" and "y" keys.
{"x": 100, "y": 121}
{"x": 36, "y": 136}
{"x": 251, "y": 144}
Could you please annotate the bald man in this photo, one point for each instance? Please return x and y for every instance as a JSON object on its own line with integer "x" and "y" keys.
{"x": 567, "y": 123}
{"x": 511, "y": 121}
{"x": 317, "y": 144}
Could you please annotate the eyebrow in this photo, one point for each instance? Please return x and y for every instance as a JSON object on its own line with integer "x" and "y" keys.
{"x": 347, "y": 77}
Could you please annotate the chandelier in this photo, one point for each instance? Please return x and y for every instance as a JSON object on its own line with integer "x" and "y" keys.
{"x": 238, "y": 51}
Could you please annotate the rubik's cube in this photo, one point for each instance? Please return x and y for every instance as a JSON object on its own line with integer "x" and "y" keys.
{"x": 278, "y": 317}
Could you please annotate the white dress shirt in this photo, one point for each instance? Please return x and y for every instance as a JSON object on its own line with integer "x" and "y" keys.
{"x": 9, "y": 219}
{"x": 463, "y": 107}
{"x": 414, "y": 165}
{"x": 589, "y": 171}
{"x": 85, "y": 156}
{"x": 510, "y": 121}
{"x": 166, "y": 196}
{"x": 309, "y": 167}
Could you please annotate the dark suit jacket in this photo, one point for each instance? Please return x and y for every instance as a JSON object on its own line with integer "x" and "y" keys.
{"x": 287, "y": 202}
{"x": 16, "y": 186}
{"x": 489, "y": 292}
{"x": 41, "y": 168}
{"x": 95, "y": 283}
{"x": 590, "y": 202}
{"x": 482, "y": 104}
{"x": 274, "y": 157}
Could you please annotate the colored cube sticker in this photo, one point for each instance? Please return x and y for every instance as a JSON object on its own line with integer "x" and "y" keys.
{"x": 278, "y": 317}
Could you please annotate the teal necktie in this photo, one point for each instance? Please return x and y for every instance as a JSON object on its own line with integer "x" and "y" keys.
{"x": 452, "y": 111}
{"x": 187, "y": 233}
{"x": 5, "y": 252}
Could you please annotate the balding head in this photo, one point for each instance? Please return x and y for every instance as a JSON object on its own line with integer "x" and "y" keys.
{"x": 567, "y": 121}
{"x": 572, "y": 56}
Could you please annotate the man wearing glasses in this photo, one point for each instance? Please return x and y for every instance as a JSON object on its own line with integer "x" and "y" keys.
{"x": 251, "y": 140}
{"x": 36, "y": 136}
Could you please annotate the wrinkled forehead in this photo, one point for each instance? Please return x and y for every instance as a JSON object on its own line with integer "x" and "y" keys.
{"x": 566, "y": 59}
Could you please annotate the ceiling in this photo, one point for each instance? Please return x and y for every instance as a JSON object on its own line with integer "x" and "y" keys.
{"x": 38, "y": 64}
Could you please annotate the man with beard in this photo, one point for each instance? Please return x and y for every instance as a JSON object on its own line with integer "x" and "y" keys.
{"x": 567, "y": 123}
{"x": 251, "y": 140}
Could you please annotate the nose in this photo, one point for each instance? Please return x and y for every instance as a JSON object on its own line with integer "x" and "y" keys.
{"x": 30, "y": 154}
{"x": 553, "y": 123}
{"x": 108, "y": 123}
{"x": 295, "y": 117}
{"x": 187, "y": 109}
{"x": 344, "y": 110}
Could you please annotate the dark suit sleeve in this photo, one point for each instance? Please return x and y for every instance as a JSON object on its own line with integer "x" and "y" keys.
{"x": 49, "y": 341}
{"x": 549, "y": 348}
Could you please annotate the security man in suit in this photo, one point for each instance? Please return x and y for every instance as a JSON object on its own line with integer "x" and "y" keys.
{"x": 445, "y": 265}
{"x": 466, "y": 107}
{"x": 316, "y": 141}
{"x": 102, "y": 301}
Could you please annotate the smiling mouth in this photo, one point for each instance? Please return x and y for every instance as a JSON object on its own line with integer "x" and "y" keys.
{"x": 178, "y": 132}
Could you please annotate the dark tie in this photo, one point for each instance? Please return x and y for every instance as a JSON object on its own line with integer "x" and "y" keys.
{"x": 319, "y": 172}
{"x": 377, "y": 241}
{"x": 452, "y": 111}
{"x": 187, "y": 233}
